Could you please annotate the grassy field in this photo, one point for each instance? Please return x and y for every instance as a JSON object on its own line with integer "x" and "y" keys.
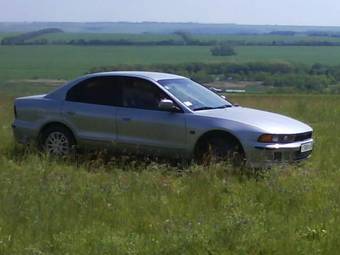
{"x": 88, "y": 206}
{"x": 61, "y": 207}
{"x": 267, "y": 38}
{"x": 295, "y": 54}
{"x": 3, "y": 35}
{"x": 69, "y": 61}
{"x": 65, "y": 62}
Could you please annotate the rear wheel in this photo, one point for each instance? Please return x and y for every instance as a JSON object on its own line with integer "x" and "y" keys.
{"x": 220, "y": 149}
{"x": 57, "y": 141}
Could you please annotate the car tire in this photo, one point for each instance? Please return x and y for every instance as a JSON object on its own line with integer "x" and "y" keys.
{"x": 220, "y": 149}
{"x": 57, "y": 141}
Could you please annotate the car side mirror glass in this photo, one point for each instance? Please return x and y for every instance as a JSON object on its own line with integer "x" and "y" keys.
{"x": 167, "y": 105}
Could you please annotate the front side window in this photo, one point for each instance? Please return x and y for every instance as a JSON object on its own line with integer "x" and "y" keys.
{"x": 142, "y": 94}
{"x": 194, "y": 95}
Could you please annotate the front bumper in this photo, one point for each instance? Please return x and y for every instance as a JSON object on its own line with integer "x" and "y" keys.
{"x": 266, "y": 155}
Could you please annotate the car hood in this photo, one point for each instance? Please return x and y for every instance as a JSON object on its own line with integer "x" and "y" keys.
{"x": 268, "y": 122}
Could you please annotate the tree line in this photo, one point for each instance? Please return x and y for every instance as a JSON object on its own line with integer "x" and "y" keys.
{"x": 184, "y": 38}
{"x": 169, "y": 42}
{"x": 316, "y": 78}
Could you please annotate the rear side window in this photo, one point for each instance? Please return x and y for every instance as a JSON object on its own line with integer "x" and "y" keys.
{"x": 98, "y": 90}
{"x": 142, "y": 94}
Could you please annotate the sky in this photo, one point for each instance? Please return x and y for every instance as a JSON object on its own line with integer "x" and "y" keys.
{"x": 271, "y": 12}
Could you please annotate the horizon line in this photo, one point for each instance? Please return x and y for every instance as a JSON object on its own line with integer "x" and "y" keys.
{"x": 172, "y": 22}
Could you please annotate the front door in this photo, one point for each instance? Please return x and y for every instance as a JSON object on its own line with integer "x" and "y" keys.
{"x": 142, "y": 126}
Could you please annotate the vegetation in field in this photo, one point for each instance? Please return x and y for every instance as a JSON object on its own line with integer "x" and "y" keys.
{"x": 56, "y": 37}
{"x": 286, "y": 68}
{"x": 27, "y": 87}
{"x": 130, "y": 207}
{"x": 202, "y": 63}
{"x": 66, "y": 62}
{"x": 262, "y": 38}
{"x": 22, "y": 38}
{"x": 4, "y": 35}
{"x": 222, "y": 50}
{"x": 281, "y": 75}
{"x": 93, "y": 204}
{"x": 146, "y": 37}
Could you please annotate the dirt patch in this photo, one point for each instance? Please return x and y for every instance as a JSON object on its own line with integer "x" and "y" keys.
{"x": 47, "y": 82}
{"x": 233, "y": 84}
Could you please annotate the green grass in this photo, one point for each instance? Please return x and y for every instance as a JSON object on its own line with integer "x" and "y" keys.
{"x": 124, "y": 207}
{"x": 66, "y": 62}
{"x": 26, "y": 88}
{"x": 19, "y": 62}
{"x": 3, "y": 35}
{"x": 59, "y": 207}
{"x": 295, "y": 54}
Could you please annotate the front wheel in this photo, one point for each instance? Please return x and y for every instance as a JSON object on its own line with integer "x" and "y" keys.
{"x": 57, "y": 141}
{"x": 220, "y": 149}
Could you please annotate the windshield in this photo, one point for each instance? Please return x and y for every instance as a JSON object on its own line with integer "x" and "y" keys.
{"x": 194, "y": 95}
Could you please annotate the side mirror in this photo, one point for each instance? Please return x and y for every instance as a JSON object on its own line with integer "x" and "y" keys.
{"x": 167, "y": 105}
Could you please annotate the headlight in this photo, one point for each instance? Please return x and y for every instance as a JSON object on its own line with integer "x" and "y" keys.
{"x": 268, "y": 138}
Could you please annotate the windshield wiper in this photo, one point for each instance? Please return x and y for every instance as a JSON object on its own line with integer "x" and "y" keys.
{"x": 211, "y": 108}
{"x": 203, "y": 108}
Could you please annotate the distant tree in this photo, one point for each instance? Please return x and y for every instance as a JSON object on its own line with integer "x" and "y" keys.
{"x": 319, "y": 69}
{"x": 188, "y": 38}
{"x": 222, "y": 50}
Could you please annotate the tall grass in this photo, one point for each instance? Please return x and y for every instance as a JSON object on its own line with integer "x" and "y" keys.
{"x": 50, "y": 206}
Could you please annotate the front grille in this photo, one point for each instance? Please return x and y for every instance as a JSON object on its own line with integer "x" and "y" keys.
{"x": 303, "y": 136}
{"x": 302, "y": 155}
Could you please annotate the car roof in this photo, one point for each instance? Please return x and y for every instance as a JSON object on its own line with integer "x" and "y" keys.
{"x": 156, "y": 76}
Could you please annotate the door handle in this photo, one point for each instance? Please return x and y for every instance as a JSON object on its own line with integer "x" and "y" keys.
{"x": 71, "y": 113}
{"x": 126, "y": 119}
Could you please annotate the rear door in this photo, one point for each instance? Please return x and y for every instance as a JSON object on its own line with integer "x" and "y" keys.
{"x": 90, "y": 109}
{"x": 142, "y": 126}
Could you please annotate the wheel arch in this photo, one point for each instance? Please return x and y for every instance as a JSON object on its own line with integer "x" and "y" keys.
{"x": 49, "y": 124}
{"x": 220, "y": 133}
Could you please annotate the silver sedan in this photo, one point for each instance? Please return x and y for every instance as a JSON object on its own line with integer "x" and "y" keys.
{"x": 157, "y": 114}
